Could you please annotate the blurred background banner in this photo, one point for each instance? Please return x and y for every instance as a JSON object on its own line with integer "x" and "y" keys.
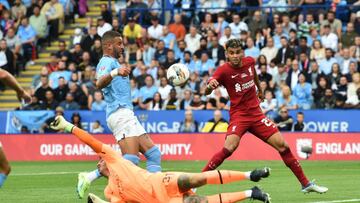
{"x": 175, "y": 146}
{"x": 169, "y": 121}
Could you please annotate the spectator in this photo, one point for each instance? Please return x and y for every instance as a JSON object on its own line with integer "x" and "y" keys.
{"x": 314, "y": 74}
{"x": 203, "y": 48}
{"x": 27, "y": 36}
{"x": 77, "y": 38}
{"x": 69, "y": 103}
{"x": 49, "y": 103}
{"x": 293, "y": 74}
{"x": 341, "y": 89}
{"x": 39, "y": 22}
{"x": 62, "y": 90}
{"x": 332, "y": 23}
{"x": 116, "y": 26}
{"x": 284, "y": 121}
{"x": 354, "y": 101}
{"x": 285, "y": 99}
{"x": 345, "y": 61}
{"x": 221, "y": 24}
{"x": 269, "y": 105}
{"x": 270, "y": 50}
{"x": 40, "y": 92}
{"x": 217, "y": 124}
{"x": 302, "y": 93}
{"x": 132, "y": 33}
{"x": 320, "y": 90}
{"x": 89, "y": 40}
{"x": 99, "y": 104}
{"x": 76, "y": 55}
{"x": 178, "y": 28}
{"x": 308, "y": 25}
{"x": 303, "y": 47}
{"x": 96, "y": 52}
{"x": 180, "y": 50}
{"x": 329, "y": 39}
{"x": 285, "y": 52}
{"x": 187, "y": 60}
{"x": 54, "y": 13}
{"x": 106, "y": 14}
{"x": 7, "y": 60}
{"x": 353, "y": 86}
{"x": 185, "y": 102}
{"x": 348, "y": 38}
{"x": 147, "y": 92}
{"x": 18, "y": 7}
{"x": 34, "y": 105}
{"x": 196, "y": 103}
{"x": 170, "y": 59}
{"x": 156, "y": 103}
{"x": 304, "y": 63}
{"x": 172, "y": 102}
{"x": 326, "y": 64}
{"x": 164, "y": 88}
{"x": 251, "y": 50}
{"x": 334, "y": 76}
{"x": 237, "y": 26}
{"x": 53, "y": 65}
{"x": 103, "y": 27}
{"x": 97, "y": 128}
{"x": 62, "y": 72}
{"x": 155, "y": 31}
{"x": 63, "y": 53}
{"x": 161, "y": 52}
{"x": 79, "y": 95}
{"x": 192, "y": 40}
{"x": 76, "y": 120}
{"x": 278, "y": 34}
{"x": 257, "y": 22}
{"x": 317, "y": 51}
{"x": 299, "y": 126}
{"x": 287, "y": 24}
{"x": 217, "y": 52}
{"x": 135, "y": 93}
{"x": 189, "y": 125}
{"x": 281, "y": 76}
{"x": 226, "y": 36}
{"x": 328, "y": 100}
{"x": 205, "y": 65}
{"x": 264, "y": 76}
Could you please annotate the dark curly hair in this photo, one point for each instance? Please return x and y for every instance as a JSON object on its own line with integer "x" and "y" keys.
{"x": 233, "y": 43}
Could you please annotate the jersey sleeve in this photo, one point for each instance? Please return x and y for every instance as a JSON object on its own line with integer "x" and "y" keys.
{"x": 217, "y": 76}
{"x": 109, "y": 154}
{"x": 104, "y": 67}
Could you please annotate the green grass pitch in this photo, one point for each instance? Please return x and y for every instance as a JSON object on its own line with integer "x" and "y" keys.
{"x": 55, "y": 181}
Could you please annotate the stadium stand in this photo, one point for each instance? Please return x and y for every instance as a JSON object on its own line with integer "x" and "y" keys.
{"x": 325, "y": 48}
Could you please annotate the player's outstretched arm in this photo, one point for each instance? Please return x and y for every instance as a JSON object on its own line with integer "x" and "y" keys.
{"x": 10, "y": 81}
{"x": 106, "y": 79}
{"x": 213, "y": 84}
{"x": 61, "y": 124}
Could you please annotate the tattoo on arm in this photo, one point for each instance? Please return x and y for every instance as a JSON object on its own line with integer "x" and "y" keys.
{"x": 184, "y": 183}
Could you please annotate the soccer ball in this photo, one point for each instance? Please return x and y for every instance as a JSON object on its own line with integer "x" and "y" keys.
{"x": 178, "y": 74}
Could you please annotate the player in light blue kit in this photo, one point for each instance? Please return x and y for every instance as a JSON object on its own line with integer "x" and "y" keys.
{"x": 113, "y": 80}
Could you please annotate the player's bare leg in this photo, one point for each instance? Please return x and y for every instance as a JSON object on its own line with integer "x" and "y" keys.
{"x": 4, "y": 167}
{"x": 231, "y": 143}
{"x": 278, "y": 142}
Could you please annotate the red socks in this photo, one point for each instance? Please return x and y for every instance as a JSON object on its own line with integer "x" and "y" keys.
{"x": 291, "y": 162}
{"x": 217, "y": 159}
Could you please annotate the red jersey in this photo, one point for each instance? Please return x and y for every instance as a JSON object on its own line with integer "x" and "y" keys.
{"x": 240, "y": 85}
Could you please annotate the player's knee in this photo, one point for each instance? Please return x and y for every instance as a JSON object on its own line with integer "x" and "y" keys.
{"x": 231, "y": 147}
{"x": 133, "y": 158}
{"x": 153, "y": 157}
{"x": 283, "y": 146}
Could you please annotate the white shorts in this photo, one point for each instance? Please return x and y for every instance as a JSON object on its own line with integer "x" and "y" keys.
{"x": 123, "y": 123}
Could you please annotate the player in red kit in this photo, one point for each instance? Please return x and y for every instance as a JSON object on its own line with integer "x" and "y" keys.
{"x": 239, "y": 78}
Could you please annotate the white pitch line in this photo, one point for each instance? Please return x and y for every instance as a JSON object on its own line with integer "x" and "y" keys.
{"x": 42, "y": 174}
{"x": 338, "y": 201}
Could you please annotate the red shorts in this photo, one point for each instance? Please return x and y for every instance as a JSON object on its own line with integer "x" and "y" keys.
{"x": 257, "y": 124}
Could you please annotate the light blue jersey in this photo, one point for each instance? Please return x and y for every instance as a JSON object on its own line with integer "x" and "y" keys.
{"x": 117, "y": 94}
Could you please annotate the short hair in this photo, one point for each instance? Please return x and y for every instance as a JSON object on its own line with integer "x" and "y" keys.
{"x": 300, "y": 113}
{"x": 233, "y": 43}
{"x": 110, "y": 35}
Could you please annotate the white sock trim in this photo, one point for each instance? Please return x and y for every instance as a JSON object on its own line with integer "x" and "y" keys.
{"x": 247, "y": 175}
{"x": 93, "y": 175}
{"x": 248, "y": 193}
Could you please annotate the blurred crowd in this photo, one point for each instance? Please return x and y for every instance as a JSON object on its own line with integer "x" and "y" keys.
{"x": 306, "y": 59}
